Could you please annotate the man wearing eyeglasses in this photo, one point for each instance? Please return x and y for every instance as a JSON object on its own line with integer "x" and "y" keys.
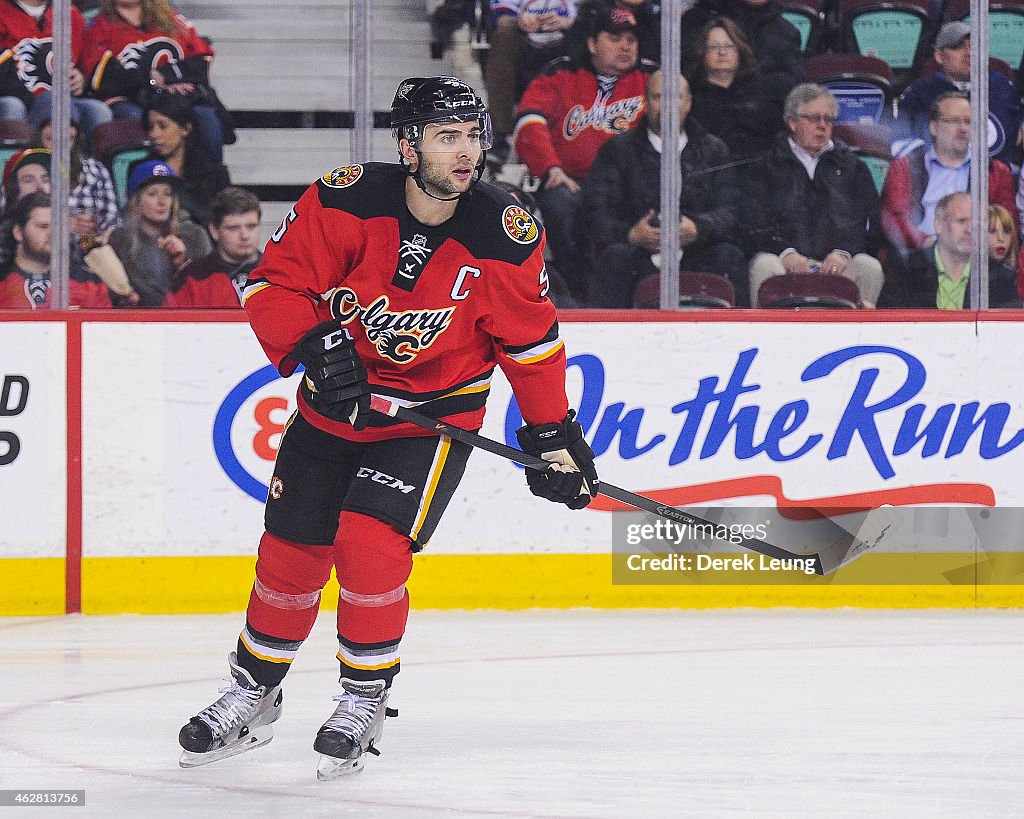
{"x": 916, "y": 182}
{"x": 818, "y": 207}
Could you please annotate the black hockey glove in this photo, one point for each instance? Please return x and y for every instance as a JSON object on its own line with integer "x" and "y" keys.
{"x": 572, "y": 478}
{"x": 334, "y": 373}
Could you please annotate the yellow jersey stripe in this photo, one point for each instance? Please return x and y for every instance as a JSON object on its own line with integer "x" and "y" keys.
{"x": 440, "y": 456}
{"x": 264, "y": 657}
{"x": 541, "y": 356}
{"x": 389, "y": 664}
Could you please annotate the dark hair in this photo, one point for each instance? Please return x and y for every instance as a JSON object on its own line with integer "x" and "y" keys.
{"x": 233, "y": 201}
{"x": 23, "y": 210}
{"x": 936, "y": 109}
{"x": 179, "y": 109}
{"x": 748, "y": 62}
{"x": 77, "y": 151}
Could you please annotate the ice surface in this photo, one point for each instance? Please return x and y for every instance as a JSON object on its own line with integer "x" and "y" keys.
{"x": 567, "y": 714}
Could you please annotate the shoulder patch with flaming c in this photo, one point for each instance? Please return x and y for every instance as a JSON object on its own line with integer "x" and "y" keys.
{"x": 519, "y": 225}
{"x": 344, "y": 176}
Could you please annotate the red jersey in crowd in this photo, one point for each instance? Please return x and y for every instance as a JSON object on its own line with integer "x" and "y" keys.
{"x": 19, "y": 291}
{"x": 119, "y": 57}
{"x": 432, "y": 309}
{"x": 209, "y": 282}
{"x": 567, "y": 113}
{"x": 31, "y": 43}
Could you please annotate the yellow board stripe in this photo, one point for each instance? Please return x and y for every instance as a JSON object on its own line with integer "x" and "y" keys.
{"x": 351, "y": 664}
{"x": 208, "y": 585}
{"x": 440, "y": 456}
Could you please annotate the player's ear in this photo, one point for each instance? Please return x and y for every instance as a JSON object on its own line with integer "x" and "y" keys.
{"x": 406, "y": 150}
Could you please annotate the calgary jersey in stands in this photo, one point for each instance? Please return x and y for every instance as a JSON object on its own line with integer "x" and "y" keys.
{"x": 20, "y": 291}
{"x": 27, "y": 44}
{"x": 432, "y": 309}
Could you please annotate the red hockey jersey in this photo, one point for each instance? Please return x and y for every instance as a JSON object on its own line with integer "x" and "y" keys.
{"x": 118, "y": 57}
{"x": 208, "y": 282}
{"x": 18, "y": 292}
{"x": 31, "y": 42}
{"x": 432, "y": 309}
{"x": 564, "y": 117}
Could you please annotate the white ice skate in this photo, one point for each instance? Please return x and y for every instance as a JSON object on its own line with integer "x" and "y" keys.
{"x": 239, "y": 721}
{"x": 353, "y": 729}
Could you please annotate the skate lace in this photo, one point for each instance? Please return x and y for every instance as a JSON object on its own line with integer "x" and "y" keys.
{"x": 232, "y": 709}
{"x": 353, "y": 715}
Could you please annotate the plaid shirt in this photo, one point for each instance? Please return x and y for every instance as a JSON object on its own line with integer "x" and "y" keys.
{"x": 95, "y": 195}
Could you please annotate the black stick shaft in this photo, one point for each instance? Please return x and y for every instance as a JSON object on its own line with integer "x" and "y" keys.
{"x": 825, "y": 562}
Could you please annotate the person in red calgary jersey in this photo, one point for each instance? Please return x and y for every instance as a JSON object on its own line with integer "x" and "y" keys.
{"x": 412, "y": 281}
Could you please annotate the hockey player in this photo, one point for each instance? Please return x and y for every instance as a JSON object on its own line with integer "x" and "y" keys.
{"x": 412, "y": 281}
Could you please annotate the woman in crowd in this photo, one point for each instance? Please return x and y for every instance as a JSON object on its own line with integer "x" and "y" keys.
{"x": 729, "y": 97}
{"x": 171, "y": 127}
{"x": 156, "y": 237}
{"x": 1003, "y": 254}
{"x": 135, "y": 46}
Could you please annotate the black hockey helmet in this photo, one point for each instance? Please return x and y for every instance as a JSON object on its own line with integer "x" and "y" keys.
{"x": 422, "y": 101}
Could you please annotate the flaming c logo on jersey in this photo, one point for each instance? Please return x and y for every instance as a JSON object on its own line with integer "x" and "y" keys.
{"x": 344, "y": 176}
{"x": 519, "y": 225}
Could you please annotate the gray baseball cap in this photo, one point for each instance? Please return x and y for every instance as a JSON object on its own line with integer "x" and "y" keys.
{"x": 952, "y": 34}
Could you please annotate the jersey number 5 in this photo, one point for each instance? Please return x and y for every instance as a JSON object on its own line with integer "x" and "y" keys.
{"x": 279, "y": 233}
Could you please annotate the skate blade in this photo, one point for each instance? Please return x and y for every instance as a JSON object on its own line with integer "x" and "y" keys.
{"x": 330, "y": 767}
{"x": 257, "y": 739}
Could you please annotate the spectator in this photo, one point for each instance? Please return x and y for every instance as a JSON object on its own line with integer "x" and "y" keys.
{"x": 939, "y": 276}
{"x": 775, "y": 41}
{"x": 525, "y": 35}
{"x": 1003, "y": 254}
{"x": 621, "y": 201}
{"x": 27, "y": 171}
{"x": 953, "y": 55}
{"x": 171, "y": 127}
{"x": 729, "y": 96}
{"x": 134, "y": 46}
{"x": 217, "y": 279}
{"x": 156, "y": 237}
{"x": 25, "y": 277}
{"x": 915, "y": 183}
{"x": 26, "y": 32}
{"x": 566, "y": 114}
{"x": 819, "y": 210}
{"x": 648, "y": 17}
{"x": 92, "y": 203}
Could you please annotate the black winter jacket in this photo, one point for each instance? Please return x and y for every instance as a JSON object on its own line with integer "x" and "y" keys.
{"x": 625, "y": 181}
{"x": 838, "y": 210}
{"x": 775, "y": 41}
{"x": 744, "y": 116}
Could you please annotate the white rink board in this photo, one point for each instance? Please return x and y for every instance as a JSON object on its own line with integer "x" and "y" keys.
{"x": 33, "y": 487}
{"x": 159, "y": 476}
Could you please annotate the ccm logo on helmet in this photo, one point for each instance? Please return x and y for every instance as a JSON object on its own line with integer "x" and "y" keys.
{"x": 519, "y": 225}
{"x": 344, "y": 176}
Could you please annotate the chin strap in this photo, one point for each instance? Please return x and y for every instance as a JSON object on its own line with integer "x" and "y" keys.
{"x": 478, "y": 175}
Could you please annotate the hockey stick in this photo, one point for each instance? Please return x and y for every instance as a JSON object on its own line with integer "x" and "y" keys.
{"x": 847, "y": 548}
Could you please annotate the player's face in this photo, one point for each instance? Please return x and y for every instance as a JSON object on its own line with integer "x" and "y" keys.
{"x": 32, "y": 178}
{"x": 35, "y": 236}
{"x": 614, "y": 53}
{"x": 167, "y": 136}
{"x": 155, "y": 201}
{"x": 237, "y": 236}
{"x": 450, "y": 152}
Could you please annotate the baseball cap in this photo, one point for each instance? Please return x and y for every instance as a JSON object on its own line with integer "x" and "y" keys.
{"x": 952, "y": 34}
{"x": 146, "y": 173}
{"x": 616, "y": 19}
{"x": 27, "y": 156}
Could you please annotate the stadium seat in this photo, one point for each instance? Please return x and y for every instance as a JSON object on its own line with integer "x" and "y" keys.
{"x": 813, "y": 291}
{"x": 118, "y": 145}
{"x": 862, "y": 85}
{"x": 15, "y": 134}
{"x": 808, "y": 18}
{"x": 697, "y": 291}
{"x": 871, "y": 143}
{"x": 899, "y": 32}
{"x": 1005, "y": 28}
